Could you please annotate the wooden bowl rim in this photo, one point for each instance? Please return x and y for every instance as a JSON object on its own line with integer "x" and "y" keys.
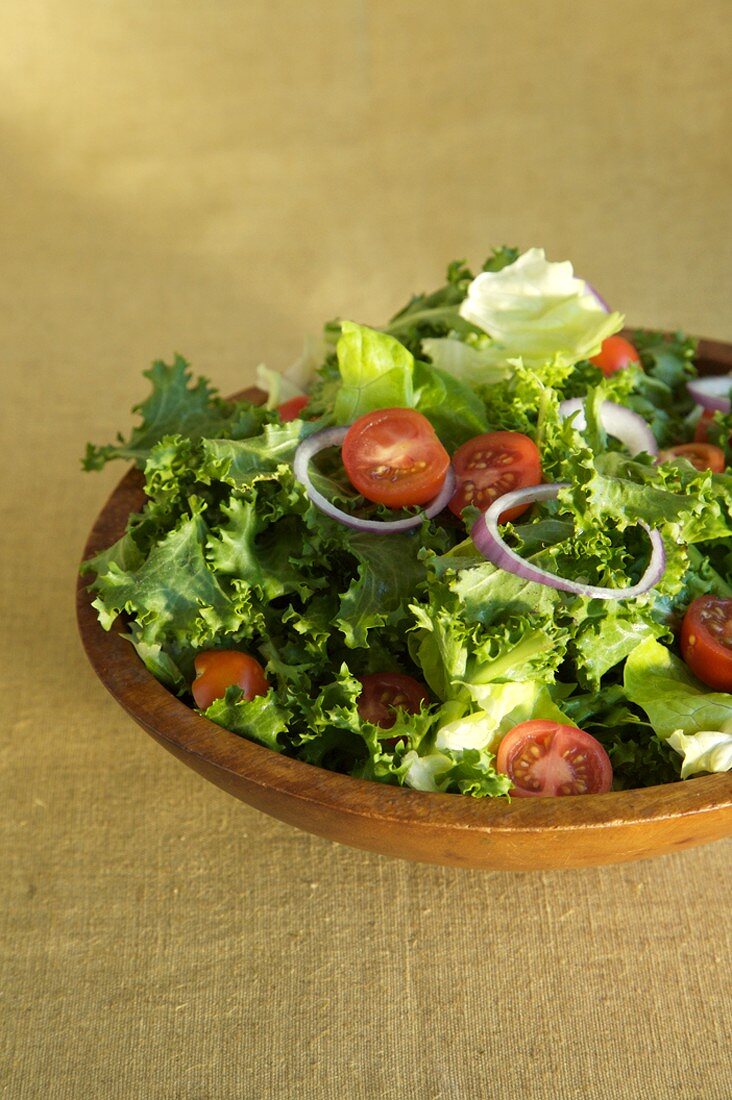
{"x": 178, "y": 727}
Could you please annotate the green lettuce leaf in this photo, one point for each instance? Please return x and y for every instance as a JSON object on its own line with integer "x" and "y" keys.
{"x": 673, "y": 699}
{"x": 261, "y": 719}
{"x": 538, "y": 311}
{"x": 177, "y": 406}
{"x": 706, "y": 751}
{"x": 376, "y": 373}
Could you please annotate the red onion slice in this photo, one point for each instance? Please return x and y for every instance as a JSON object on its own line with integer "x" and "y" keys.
{"x": 333, "y": 437}
{"x": 487, "y": 539}
{"x": 712, "y": 393}
{"x": 626, "y": 425}
{"x": 597, "y": 296}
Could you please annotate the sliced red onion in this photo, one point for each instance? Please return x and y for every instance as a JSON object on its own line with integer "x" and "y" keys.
{"x": 333, "y": 437}
{"x": 712, "y": 393}
{"x": 598, "y": 297}
{"x": 487, "y": 539}
{"x": 626, "y": 425}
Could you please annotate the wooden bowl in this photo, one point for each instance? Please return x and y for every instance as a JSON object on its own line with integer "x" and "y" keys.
{"x": 526, "y": 834}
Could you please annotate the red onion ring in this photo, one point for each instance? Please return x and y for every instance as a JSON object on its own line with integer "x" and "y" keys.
{"x": 626, "y": 425}
{"x": 333, "y": 437}
{"x": 712, "y": 393}
{"x": 487, "y": 539}
{"x": 598, "y": 297}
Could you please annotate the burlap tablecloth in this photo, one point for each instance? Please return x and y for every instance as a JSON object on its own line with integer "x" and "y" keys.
{"x": 218, "y": 179}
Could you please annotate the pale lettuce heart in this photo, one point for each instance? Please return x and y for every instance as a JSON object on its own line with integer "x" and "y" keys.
{"x": 474, "y": 731}
{"x": 538, "y": 311}
{"x": 514, "y": 702}
{"x": 280, "y": 386}
{"x": 706, "y": 751}
{"x": 277, "y": 386}
{"x": 423, "y": 772}
{"x": 503, "y": 707}
{"x": 475, "y": 365}
{"x": 672, "y": 698}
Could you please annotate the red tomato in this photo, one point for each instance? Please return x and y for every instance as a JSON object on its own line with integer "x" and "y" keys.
{"x": 616, "y": 353}
{"x": 701, "y": 432}
{"x": 290, "y": 410}
{"x": 543, "y": 758}
{"x": 219, "y": 669}
{"x": 490, "y": 465}
{"x": 383, "y": 691}
{"x": 703, "y": 456}
{"x": 393, "y": 457}
{"x": 706, "y": 641}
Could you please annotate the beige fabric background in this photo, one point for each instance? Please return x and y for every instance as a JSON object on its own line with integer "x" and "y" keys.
{"x": 218, "y": 179}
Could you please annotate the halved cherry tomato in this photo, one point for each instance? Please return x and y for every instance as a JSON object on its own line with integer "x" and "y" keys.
{"x": 393, "y": 457}
{"x": 490, "y": 465}
{"x": 706, "y": 641}
{"x": 616, "y": 354}
{"x": 545, "y": 758}
{"x": 383, "y": 692}
{"x": 219, "y": 669}
{"x": 703, "y": 456}
{"x": 291, "y": 409}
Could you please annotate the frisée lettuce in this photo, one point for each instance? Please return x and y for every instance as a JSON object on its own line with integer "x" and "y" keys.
{"x": 229, "y": 550}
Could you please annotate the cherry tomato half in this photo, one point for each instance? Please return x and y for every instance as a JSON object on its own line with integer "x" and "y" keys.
{"x": 706, "y": 641}
{"x": 393, "y": 457}
{"x": 219, "y": 669}
{"x": 544, "y": 758}
{"x": 616, "y": 353}
{"x": 384, "y": 691}
{"x": 291, "y": 409}
{"x": 490, "y": 465}
{"x": 702, "y": 456}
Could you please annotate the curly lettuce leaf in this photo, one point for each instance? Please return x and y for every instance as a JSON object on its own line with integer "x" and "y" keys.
{"x": 388, "y": 573}
{"x": 174, "y": 589}
{"x": 260, "y": 719}
{"x": 177, "y": 406}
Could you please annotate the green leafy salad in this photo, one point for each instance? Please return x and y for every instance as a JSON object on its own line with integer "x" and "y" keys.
{"x": 468, "y": 551}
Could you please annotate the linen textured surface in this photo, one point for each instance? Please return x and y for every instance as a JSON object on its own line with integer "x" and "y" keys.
{"x": 218, "y": 180}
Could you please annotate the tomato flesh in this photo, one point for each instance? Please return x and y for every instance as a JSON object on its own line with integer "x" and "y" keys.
{"x": 706, "y": 641}
{"x": 219, "y": 669}
{"x": 545, "y": 758}
{"x": 492, "y": 464}
{"x": 291, "y": 409}
{"x": 384, "y": 692}
{"x": 701, "y": 432}
{"x": 702, "y": 456}
{"x": 393, "y": 457}
{"x": 616, "y": 354}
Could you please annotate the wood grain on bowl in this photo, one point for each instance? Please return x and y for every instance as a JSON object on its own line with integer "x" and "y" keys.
{"x": 526, "y": 834}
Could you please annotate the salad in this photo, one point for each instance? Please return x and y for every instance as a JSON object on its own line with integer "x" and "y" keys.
{"x": 482, "y": 549}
